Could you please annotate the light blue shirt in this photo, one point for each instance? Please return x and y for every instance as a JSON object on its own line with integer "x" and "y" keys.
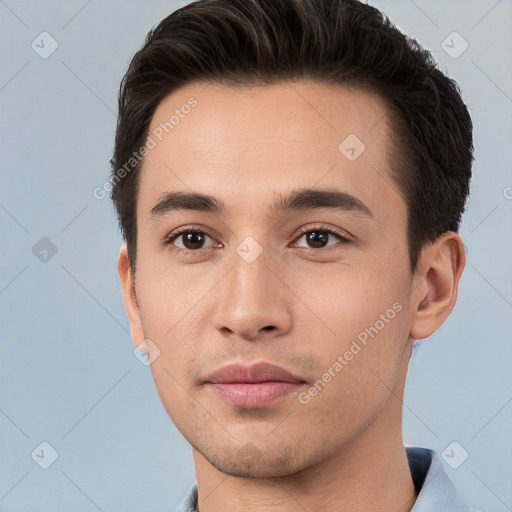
{"x": 436, "y": 492}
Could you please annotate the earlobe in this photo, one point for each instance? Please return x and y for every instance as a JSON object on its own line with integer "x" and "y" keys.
{"x": 130, "y": 298}
{"x": 437, "y": 282}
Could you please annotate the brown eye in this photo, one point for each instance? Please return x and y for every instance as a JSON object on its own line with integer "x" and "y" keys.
{"x": 319, "y": 238}
{"x": 190, "y": 240}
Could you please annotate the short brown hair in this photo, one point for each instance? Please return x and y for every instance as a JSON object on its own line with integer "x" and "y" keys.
{"x": 346, "y": 42}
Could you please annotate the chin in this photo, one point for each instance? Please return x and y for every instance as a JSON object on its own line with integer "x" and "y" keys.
{"x": 252, "y": 462}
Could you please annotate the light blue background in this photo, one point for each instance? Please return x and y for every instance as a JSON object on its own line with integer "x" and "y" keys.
{"x": 67, "y": 369}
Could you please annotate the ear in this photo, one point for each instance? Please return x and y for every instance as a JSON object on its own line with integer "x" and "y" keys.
{"x": 436, "y": 283}
{"x": 130, "y": 299}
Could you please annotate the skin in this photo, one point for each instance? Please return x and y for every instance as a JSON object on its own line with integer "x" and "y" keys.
{"x": 343, "y": 450}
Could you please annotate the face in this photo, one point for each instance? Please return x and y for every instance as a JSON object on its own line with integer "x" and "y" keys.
{"x": 297, "y": 259}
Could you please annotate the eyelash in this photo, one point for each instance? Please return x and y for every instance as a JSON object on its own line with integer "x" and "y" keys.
{"x": 341, "y": 235}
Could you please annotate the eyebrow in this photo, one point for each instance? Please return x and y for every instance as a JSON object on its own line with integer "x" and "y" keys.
{"x": 297, "y": 200}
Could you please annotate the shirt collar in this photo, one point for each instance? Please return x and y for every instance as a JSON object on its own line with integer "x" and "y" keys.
{"x": 435, "y": 490}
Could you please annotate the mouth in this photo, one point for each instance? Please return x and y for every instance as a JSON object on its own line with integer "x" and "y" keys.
{"x": 253, "y": 386}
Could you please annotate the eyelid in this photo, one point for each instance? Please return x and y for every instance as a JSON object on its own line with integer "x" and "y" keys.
{"x": 341, "y": 233}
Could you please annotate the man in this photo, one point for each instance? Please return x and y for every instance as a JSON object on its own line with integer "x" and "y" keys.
{"x": 289, "y": 177}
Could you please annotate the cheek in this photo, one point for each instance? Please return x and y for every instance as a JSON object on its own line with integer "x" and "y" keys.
{"x": 356, "y": 370}
{"x": 364, "y": 328}
{"x": 169, "y": 297}
{"x": 345, "y": 302}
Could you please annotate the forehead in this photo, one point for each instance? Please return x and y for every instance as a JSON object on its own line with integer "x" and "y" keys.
{"x": 254, "y": 142}
{"x": 304, "y": 111}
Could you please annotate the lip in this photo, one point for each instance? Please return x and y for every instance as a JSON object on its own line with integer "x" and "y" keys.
{"x": 253, "y": 386}
{"x": 253, "y": 373}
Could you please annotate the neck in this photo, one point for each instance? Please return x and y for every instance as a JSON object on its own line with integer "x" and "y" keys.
{"x": 370, "y": 473}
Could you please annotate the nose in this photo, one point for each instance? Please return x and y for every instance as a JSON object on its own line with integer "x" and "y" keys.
{"x": 254, "y": 301}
